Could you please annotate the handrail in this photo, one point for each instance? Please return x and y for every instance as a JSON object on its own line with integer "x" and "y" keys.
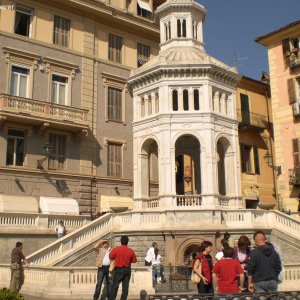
{"x": 252, "y": 119}
{"x": 59, "y": 249}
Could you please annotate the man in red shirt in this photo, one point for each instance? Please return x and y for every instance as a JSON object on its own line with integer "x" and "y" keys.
{"x": 226, "y": 272}
{"x": 123, "y": 256}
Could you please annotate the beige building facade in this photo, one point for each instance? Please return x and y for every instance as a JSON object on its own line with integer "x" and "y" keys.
{"x": 65, "y": 109}
{"x": 258, "y": 180}
{"x": 283, "y": 53}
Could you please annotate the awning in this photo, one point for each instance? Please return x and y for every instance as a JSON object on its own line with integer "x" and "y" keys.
{"x": 18, "y": 203}
{"x": 52, "y": 205}
{"x": 115, "y": 203}
{"x": 144, "y": 4}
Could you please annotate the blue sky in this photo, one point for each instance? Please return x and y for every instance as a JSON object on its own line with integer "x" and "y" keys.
{"x": 231, "y": 26}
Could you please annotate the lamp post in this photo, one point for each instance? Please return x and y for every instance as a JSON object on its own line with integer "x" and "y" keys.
{"x": 268, "y": 158}
{"x": 47, "y": 149}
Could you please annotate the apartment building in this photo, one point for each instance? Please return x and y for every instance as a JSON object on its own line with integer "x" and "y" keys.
{"x": 284, "y": 62}
{"x": 65, "y": 110}
{"x": 258, "y": 179}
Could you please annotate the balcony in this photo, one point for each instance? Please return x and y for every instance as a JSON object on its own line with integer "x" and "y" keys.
{"x": 294, "y": 175}
{"x": 38, "y": 112}
{"x": 249, "y": 120}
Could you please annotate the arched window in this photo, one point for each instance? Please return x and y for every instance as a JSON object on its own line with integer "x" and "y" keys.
{"x": 196, "y": 100}
{"x": 185, "y": 100}
{"x": 169, "y": 27}
{"x": 156, "y": 103}
{"x": 195, "y": 27}
{"x": 142, "y": 107}
{"x": 166, "y": 31}
{"x": 149, "y": 106}
{"x": 178, "y": 28}
{"x": 175, "y": 100}
{"x": 183, "y": 28}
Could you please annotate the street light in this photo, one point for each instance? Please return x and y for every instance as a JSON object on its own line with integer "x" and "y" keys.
{"x": 47, "y": 149}
{"x": 268, "y": 158}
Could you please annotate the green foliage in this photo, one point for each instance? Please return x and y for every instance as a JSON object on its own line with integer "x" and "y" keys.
{"x": 6, "y": 294}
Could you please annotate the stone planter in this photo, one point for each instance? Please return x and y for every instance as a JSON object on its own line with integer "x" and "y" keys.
{"x": 266, "y": 206}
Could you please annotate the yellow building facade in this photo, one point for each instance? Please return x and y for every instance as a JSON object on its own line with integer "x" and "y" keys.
{"x": 255, "y": 138}
{"x": 283, "y": 54}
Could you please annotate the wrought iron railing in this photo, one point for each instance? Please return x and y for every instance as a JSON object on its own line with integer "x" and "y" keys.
{"x": 251, "y": 119}
{"x": 254, "y": 296}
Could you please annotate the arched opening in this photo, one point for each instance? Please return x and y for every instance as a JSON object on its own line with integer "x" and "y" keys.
{"x": 187, "y": 172}
{"x": 196, "y": 100}
{"x": 149, "y": 169}
{"x": 142, "y": 107}
{"x": 175, "y": 100}
{"x": 149, "y": 105}
{"x": 178, "y": 28}
{"x": 183, "y": 28}
{"x": 185, "y": 100}
{"x": 156, "y": 103}
{"x": 225, "y": 163}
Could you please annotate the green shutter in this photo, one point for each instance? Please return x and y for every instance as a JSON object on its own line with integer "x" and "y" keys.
{"x": 245, "y": 109}
{"x": 256, "y": 160}
{"x": 243, "y": 161}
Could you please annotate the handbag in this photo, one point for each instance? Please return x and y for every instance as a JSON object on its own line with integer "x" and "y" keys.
{"x": 195, "y": 277}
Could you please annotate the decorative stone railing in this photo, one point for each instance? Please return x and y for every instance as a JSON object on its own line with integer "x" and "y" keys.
{"x": 165, "y": 221}
{"x": 71, "y": 283}
{"x": 42, "y": 109}
{"x": 188, "y": 200}
{"x": 26, "y": 221}
{"x": 60, "y": 249}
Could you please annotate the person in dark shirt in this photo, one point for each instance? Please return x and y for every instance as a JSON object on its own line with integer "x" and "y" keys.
{"x": 123, "y": 256}
{"x": 264, "y": 266}
{"x": 17, "y": 271}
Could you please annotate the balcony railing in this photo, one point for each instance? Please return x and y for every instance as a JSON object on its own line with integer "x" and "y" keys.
{"x": 250, "y": 119}
{"x": 294, "y": 175}
{"x": 14, "y": 107}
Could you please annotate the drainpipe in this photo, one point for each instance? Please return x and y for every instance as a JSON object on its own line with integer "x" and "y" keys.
{"x": 271, "y": 150}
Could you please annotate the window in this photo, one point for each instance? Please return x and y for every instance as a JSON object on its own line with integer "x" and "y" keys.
{"x": 143, "y": 54}
{"x": 168, "y": 30}
{"x": 142, "y": 108}
{"x": 185, "y": 100}
{"x": 245, "y": 109}
{"x": 61, "y": 34}
{"x": 149, "y": 105}
{"x": 156, "y": 103}
{"x": 23, "y": 20}
{"x": 114, "y": 104}
{"x": 196, "y": 100}
{"x": 195, "y": 30}
{"x": 296, "y": 152}
{"x": 143, "y": 9}
{"x": 181, "y": 28}
{"x": 15, "y": 147}
{"x": 175, "y": 100}
{"x": 58, "y": 156}
{"x": 59, "y": 89}
{"x": 19, "y": 81}
{"x": 249, "y": 159}
{"x": 114, "y": 160}
{"x": 115, "y": 44}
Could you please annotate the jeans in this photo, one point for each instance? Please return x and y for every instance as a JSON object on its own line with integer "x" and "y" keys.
{"x": 266, "y": 286}
{"x": 103, "y": 272}
{"x": 120, "y": 275}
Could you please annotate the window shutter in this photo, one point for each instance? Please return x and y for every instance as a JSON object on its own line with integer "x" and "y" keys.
{"x": 243, "y": 161}
{"x": 256, "y": 160}
{"x": 286, "y": 47}
{"x": 245, "y": 109}
{"x": 291, "y": 90}
{"x": 296, "y": 152}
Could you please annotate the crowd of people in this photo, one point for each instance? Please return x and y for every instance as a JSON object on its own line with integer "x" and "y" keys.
{"x": 237, "y": 269}
{"x": 240, "y": 268}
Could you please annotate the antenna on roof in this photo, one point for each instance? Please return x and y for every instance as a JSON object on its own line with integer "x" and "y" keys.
{"x": 236, "y": 60}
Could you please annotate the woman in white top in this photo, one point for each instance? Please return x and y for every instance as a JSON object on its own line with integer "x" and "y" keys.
{"x": 157, "y": 274}
{"x": 150, "y": 254}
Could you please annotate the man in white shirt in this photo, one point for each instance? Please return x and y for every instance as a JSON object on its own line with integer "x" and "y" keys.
{"x": 150, "y": 256}
{"x": 103, "y": 263}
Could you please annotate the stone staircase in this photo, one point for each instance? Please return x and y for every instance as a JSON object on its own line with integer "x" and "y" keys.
{"x": 75, "y": 248}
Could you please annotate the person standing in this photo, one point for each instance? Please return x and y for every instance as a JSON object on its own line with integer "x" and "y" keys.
{"x": 103, "y": 263}
{"x": 264, "y": 266}
{"x": 123, "y": 256}
{"x": 60, "y": 229}
{"x": 150, "y": 254}
{"x": 204, "y": 258}
{"x": 226, "y": 272}
{"x": 17, "y": 271}
{"x": 157, "y": 272}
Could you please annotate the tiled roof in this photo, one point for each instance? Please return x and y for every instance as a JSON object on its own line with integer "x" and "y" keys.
{"x": 276, "y": 31}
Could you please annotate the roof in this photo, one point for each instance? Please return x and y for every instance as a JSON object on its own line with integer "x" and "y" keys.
{"x": 277, "y": 31}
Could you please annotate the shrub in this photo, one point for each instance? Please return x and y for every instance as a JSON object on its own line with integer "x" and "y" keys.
{"x": 6, "y": 294}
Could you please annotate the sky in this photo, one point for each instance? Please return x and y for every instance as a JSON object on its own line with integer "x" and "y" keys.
{"x": 231, "y": 26}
